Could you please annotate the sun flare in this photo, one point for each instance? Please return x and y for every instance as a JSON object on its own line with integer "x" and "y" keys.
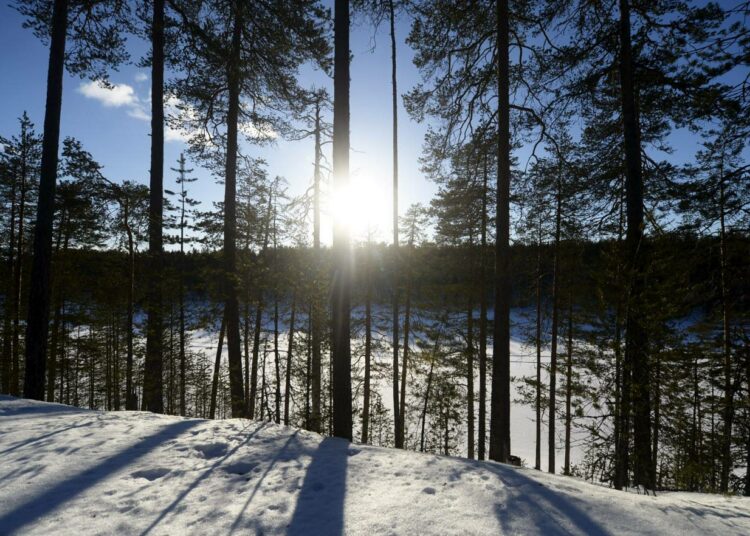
{"x": 363, "y": 207}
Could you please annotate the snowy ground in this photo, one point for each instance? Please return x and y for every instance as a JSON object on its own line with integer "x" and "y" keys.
{"x": 69, "y": 471}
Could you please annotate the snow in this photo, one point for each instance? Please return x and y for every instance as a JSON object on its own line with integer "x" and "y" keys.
{"x": 65, "y": 470}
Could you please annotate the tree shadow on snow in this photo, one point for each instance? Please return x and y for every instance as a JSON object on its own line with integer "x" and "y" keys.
{"x": 58, "y": 494}
{"x": 320, "y": 502}
{"x": 36, "y": 439}
{"x": 527, "y": 499}
{"x": 202, "y": 477}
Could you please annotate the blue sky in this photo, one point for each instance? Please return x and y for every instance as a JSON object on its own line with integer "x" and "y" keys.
{"x": 114, "y": 127}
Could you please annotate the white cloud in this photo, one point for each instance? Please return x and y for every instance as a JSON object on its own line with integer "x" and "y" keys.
{"x": 141, "y": 77}
{"x": 124, "y": 96}
{"x": 258, "y": 132}
{"x": 138, "y": 112}
{"x": 115, "y": 96}
{"x": 171, "y": 134}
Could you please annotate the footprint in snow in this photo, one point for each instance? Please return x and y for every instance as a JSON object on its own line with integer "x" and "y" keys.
{"x": 240, "y": 468}
{"x": 212, "y": 450}
{"x": 150, "y": 474}
{"x": 429, "y": 491}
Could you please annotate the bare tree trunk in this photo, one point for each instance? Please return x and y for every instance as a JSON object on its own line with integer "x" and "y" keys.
{"x": 726, "y": 441}
{"x": 470, "y": 378}
{"x": 217, "y": 368}
{"x": 231, "y": 303}
{"x": 568, "y": 386}
{"x": 368, "y": 352}
{"x": 404, "y": 364}
{"x": 308, "y": 375}
{"x": 341, "y": 289}
{"x": 289, "y": 351}
{"x": 246, "y": 344}
{"x": 657, "y": 416}
{"x": 276, "y": 359}
{"x": 747, "y": 445}
{"x": 37, "y": 324}
{"x": 254, "y": 366}
{"x": 426, "y": 403}
{"x": 482, "y": 439}
{"x": 316, "y": 314}
{"x": 153, "y": 367}
{"x": 622, "y": 382}
{"x": 258, "y": 321}
{"x": 635, "y": 333}
{"x": 500, "y": 405}
{"x": 131, "y": 401}
{"x": 553, "y": 345}
{"x": 17, "y": 283}
{"x": 116, "y": 357}
{"x": 538, "y": 342}
{"x": 183, "y": 357}
{"x": 397, "y": 417}
{"x": 8, "y": 313}
{"x": 54, "y": 342}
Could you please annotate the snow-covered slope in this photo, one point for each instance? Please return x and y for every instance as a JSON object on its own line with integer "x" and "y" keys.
{"x": 69, "y": 471}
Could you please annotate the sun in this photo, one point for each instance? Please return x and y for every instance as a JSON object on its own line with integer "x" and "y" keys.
{"x": 363, "y": 207}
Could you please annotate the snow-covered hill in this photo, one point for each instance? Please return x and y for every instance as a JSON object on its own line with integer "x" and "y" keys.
{"x": 69, "y": 471}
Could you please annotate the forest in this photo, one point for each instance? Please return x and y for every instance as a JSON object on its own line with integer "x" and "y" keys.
{"x": 574, "y": 297}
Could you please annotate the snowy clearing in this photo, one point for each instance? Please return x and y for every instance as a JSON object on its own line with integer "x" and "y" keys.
{"x": 65, "y": 470}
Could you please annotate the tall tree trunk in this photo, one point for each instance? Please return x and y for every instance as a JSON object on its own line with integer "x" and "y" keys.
{"x": 288, "y": 374}
{"x": 254, "y": 366}
{"x": 341, "y": 291}
{"x": 568, "y": 386}
{"x": 37, "y": 324}
{"x": 622, "y": 382}
{"x": 183, "y": 357}
{"x": 276, "y": 359}
{"x": 368, "y": 351}
{"x": 553, "y": 344}
{"x": 116, "y": 359}
{"x": 259, "y": 319}
{"x": 153, "y": 397}
{"x": 482, "y": 438}
{"x": 217, "y": 368}
{"x": 470, "y": 378}
{"x": 308, "y": 369}
{"x": 8, "y": 313}
{"x": 405, "y": 361}
{"x": 231, "y": 304}
{"x": 635, "y": 334}
{"x": 747, "y": 445}
{"x": 131, "y": 399}
{"x": 16, "y": 364}
{"x": 316, "y": 313}
{"x": 657, "y": 416}
{"x": 54, "y": 342}
{"x": 426, "y": 402}
{"x": 398, "y": 419}
{"x": 64, "y": 367}
{"x": 538, "y": 342}
{"x": 428, "y": 390}
{"x": 500, "y": 405}
{"x": 246, "y": 348}
{"x": 726, "y": 440}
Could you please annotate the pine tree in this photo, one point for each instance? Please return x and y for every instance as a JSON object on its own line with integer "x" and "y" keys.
{"x": 90, "y": 51}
